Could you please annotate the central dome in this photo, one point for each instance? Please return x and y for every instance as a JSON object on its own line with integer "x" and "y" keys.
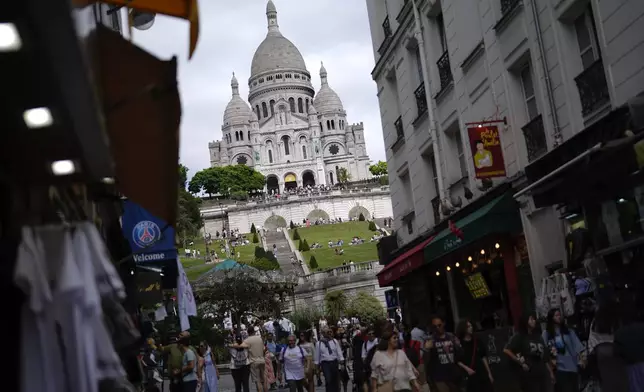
{"x": 276, "y": 51}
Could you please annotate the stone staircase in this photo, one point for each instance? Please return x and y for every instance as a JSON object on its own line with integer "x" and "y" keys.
{"x": 283, "y": 251}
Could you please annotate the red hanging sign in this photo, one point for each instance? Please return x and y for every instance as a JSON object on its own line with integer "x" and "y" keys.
{"x": 487, "y": 151}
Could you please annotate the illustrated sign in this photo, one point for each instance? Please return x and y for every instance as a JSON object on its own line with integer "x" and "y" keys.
{"x": 487, "y": 151}
{"x": 148, "y": 286}
{"x": 477, "y": 285}
{"x": 150, "y": 238}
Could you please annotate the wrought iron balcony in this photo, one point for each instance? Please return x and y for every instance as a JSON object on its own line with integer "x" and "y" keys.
{"x": 386, "y": 27}
{"x": 400, "y": 133}
{"x": 421, "y": 99}
{"x": 436, "y": 208}
{"x": 535, "y": 138}
{"x": 444, "y": 70}
{"x": 508, "y": 5}
{"x": 593, "y": 89}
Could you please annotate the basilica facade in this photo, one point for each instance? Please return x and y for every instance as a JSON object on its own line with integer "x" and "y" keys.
{"x": 289, "y": 133}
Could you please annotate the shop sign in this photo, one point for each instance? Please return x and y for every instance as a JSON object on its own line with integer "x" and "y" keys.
{"x": 150, "y": 238}
{"x": 487, "y": 151}
{"x": 391, "y": 298}
{"x": 149, "y": 290}
{"x": 451, "y": 243}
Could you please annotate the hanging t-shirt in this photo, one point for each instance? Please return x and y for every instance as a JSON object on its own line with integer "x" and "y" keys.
{"x": 293, "y": 359}
{"x": 189, "y": 356}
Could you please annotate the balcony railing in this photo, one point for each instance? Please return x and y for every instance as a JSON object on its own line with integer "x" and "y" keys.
{"x": 535, "y": 138}
{"x": 400, "y": 133}
{"x": 421, "y": 99}
{"x": 386, "y": 27}
{"x": 593, "y": 89}
{"x": 436, "y": 208}
{"x": 508, "y": 5}
{"x": 444, "y": 70}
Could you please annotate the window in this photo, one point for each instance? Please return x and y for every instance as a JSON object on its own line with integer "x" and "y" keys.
{"x": 303, "y": 152}
{"x": 419, "y": 65}
{"x": 331, "y": 177}
{"x": 432, "y": 163}
{"x": 528, "y": 93}
{"x": 300, "y": 105}
{"x": 441, "y": 32}
{"x": 410, "y": 226}
{"x": 236, "y": 136}
{"x": 259, "y": 114}
{"x": 270, "y": 156}
{"x": 587, "y": 38}
{"x": 286, "y": 140}
{"x": 264, "y": 109}
{"x": 321, "y": 128}
{"x": 461, "y": 153}
{"x": 332, "y": 124}
{"x": 307, "y": 105}
{"x": 328, "y": 124}
{"x": 241, "y": 135}
{"x": 248, "y": 135}
{"x": 291, "y": 102}
{"x": 272, "y": 105}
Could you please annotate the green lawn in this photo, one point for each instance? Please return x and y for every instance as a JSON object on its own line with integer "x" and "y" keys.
{"x": 195, "y": 267}
{"x": 195, "y": 272}
{"x": 326, "y": 256}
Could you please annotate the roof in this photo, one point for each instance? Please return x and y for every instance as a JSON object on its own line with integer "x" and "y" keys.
{"x": 326, "y": 100}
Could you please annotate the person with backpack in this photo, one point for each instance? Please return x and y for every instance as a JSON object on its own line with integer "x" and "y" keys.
{"x": 328, "y": 355}
{"x": 413, "y": 350}
{"x": 369, "y": 348}
{"x": 293, "y": 361}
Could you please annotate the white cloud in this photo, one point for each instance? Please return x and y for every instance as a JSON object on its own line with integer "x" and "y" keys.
{"x": 333, "y": 31}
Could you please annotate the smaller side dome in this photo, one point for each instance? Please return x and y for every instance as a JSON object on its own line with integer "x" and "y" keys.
{"x": 312, "y": 110}
{"x": 237, "y": 111}
{"x": 327, "y": 100}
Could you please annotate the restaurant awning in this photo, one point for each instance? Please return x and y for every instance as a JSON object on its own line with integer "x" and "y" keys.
{"x": 500, "y": 215}
{"x": 403, "y": 264}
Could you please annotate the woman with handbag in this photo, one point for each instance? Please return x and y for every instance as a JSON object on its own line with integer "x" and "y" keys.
{"x": 473, "y": 360}
{"x": 391, "y": 370}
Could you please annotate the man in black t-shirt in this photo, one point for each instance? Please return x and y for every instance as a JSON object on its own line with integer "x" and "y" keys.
{"x": 440, "y": 354}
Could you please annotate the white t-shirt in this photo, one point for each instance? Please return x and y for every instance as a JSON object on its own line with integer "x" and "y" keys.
{"x": 293, "y": 363}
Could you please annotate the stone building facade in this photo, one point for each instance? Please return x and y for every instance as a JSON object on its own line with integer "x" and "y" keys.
{"x": 549, "y": 68}
{"x": 289, "y": 133}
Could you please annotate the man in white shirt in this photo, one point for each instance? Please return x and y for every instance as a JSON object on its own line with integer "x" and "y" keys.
{"x": 328, "y": 355}
{"x": 293, "y": 361}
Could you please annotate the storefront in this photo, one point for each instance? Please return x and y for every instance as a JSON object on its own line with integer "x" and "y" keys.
{"x": 596, "y": 181}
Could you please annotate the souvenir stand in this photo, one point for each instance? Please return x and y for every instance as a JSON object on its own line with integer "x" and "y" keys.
{"x": 83, "y": 111}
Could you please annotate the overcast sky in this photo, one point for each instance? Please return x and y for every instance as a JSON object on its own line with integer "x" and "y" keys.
{"x": 333, "y": 31}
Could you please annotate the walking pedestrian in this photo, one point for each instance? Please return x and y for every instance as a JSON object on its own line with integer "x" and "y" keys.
{"x": 209, "y": 372}
{"x": 293, "y": 359}
{"x": 473, "y": 359}
{"x": 328, "y": 355}
{"x": 441, "y": 351}
{"x": 240, "y": 365}
{"x": 391, "y": 370}
{"x": 255, "y": 346}
{"x": 565, "y": 346}
{"x": 309, "y": 350}
{"x": 528, "y": 352}
{"x": 189, "y": 366}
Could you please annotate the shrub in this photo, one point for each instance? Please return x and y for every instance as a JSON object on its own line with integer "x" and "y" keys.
{"x": 239, "y": 195}
{"x": 265, "y": 264}
{"x": 305, "y": 246}
{"x": 256, "y": 238}
{"x": 296, "y": 235}
{"x": 260, "y": 253}
{"x": 384, "y": 180}
{"x": 372, "y": 226}
{"x": 270, "y": 256}
{"x": 253, "y": 229}
{"x": 292, "y": 225}
{"x": 366, "y": 307}
{"x": 313, "y": 263}
{"x": 361, "y": 217}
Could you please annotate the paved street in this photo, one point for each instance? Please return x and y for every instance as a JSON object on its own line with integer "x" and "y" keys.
{"x": 226, "y": 385}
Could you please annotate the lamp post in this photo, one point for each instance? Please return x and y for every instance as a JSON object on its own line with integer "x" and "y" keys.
{"x": 221, "y": 210}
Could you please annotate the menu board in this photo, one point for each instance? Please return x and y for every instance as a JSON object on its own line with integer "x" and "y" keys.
{"x": 477, "y": 285}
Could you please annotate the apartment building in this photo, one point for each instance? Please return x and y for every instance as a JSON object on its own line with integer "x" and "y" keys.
{"x": 539, "y": 75}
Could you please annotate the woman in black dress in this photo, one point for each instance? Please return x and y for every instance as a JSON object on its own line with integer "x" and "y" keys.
{"x": 473, "y": 360}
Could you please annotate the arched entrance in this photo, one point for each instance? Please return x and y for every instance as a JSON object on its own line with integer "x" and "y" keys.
{"x": 290, "y": 181}
{"x": 272, "y": 184}
{"x": 355, "y": 212}
{"x": 308, "y": 178}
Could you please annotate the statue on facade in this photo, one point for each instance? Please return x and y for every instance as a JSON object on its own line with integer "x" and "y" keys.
{"x": 282, "y": 116}
{"x": 257, "y": 157}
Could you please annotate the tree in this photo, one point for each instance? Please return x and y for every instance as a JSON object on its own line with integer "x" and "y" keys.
{"x": 372, "y": 226}
{"x": 313, "y": 263}
{"x": 335, "y": 303}
{"x": 260, "y": 253}
{"x": 242, "y": 291}
{"x": 291, "y": 225}
{"x": 189, "y": 220}
{"x": 206, "y": 180}
{"x": 343, "y": 175}
{"x": 361, "y": 217}
{"x": 304, "y": 246}
{"x": 183, "y": 176}
{"x": 305, "y": 317}
{"x": 255, "y": 238}
{"x": 366, "y": 308}
{"x": 235, "y": 180}
{"x": 296, "y": 235}
{"x": 378, "y": 169}
{"x": 253, "y": 229}
{"x": 264, "y": 264}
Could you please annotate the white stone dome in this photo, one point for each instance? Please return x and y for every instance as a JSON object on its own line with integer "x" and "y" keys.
{"x": 327, "y": 100}
{"x": 237, "y": 111}
{"x": 276, "y": 51}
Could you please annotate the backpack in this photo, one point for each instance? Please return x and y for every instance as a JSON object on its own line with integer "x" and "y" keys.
{"x": 369, "y": 358}
{"x": 284, "y": 350}
{"x": 412, "y": 353}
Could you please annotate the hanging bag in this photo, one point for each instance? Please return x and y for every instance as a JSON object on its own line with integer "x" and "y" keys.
{"x": 554, "y": 293}
{"x": 567, "y": 297}
{"x": 542, "y": 301}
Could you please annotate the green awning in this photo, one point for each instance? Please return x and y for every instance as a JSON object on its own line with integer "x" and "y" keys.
{"x": 501, "y": 215}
